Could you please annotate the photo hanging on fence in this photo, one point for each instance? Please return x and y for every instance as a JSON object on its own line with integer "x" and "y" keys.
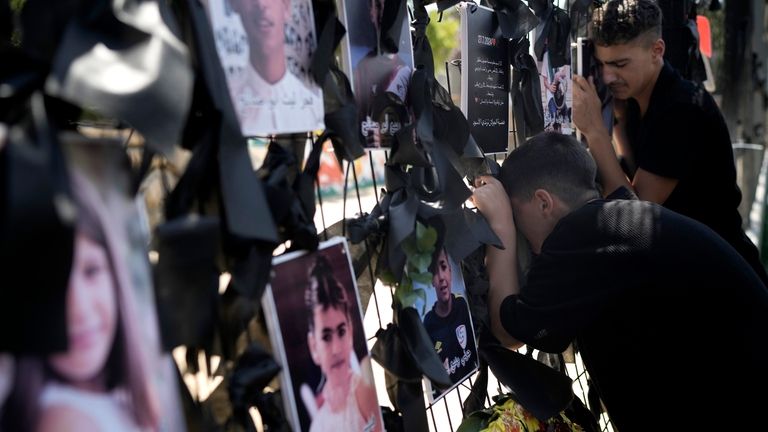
{"x": 378, "y": 71}
{"x": 556, "y": 96}
{"x": 112, "y": 376}
{"x": 448, "y": 322}
{"x": 484, "y": 77}
{"x": 316, "y": 327}
{"x": 265, "y": 49}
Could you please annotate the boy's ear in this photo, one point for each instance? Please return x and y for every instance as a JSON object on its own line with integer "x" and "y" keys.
{"x": 658, "y": 48}
{"x": 544, "y": 201}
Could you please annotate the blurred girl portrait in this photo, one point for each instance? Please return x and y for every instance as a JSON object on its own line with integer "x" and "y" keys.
{"x": 101, "y": 382}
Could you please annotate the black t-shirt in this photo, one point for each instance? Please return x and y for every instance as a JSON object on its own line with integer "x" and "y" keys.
{"x": 671, "y": 322}
{"x": 683, "y": 136}
{"x": 454, "y": 339}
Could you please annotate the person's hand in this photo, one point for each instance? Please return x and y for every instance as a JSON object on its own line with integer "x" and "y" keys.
{"x": 492, "y": 201}
{"x": 587, "y": 108}
{"x": 372, "y": 133}
{"x": 552, "y": 87}
{"x": 374, "y": 139}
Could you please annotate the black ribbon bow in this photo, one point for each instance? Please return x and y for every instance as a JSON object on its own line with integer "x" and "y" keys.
{"x": 515, "y": 19}
{"x": 137, "y": 38}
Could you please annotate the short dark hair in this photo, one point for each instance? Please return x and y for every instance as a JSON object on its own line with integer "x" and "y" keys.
{"x": 554, "y": 162}
{"x": 621, "y": 21}
{"x": 326, "y": 292}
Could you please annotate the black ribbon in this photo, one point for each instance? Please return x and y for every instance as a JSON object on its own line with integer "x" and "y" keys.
{"x": 515, "y": 19}
{"x": 338, "y": 100}
{"x": 331, "y": 33}
{"x": 341, "y": 116}
{"x": 391, "y": 26}
{"x": 479, "y": 391}
{"x": 187, "y": 281}
{"x": 6, "y": 22}
{"x": 405, "y": 351}
{"x": 542, "y": 390}
{"x": 253, "y": 371}
{"x": 245, "y": 206}
{"x": 439, "y": 151}
{"x": 140, "y": 40}
{"x": 526, "y": 92}
{"x": 35, "y": 232}
{"x": 291, "y": 191}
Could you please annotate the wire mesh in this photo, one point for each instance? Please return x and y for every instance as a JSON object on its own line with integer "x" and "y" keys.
{"x": 445, "y": 414}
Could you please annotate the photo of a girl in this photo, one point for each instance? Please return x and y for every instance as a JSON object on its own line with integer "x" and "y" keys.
{"x": 104, "y": 380}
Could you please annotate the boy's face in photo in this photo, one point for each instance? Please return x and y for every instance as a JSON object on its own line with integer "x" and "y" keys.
{"x": 330, "y": 343}
{"x": 91, "y": 313}
{"x": 441, "y": 279}
{"x": 628, "y": 69}
{"x": 264, "y": 21}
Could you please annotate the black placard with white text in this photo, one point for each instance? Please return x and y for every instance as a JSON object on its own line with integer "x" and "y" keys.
{"x": 484, "y": 78}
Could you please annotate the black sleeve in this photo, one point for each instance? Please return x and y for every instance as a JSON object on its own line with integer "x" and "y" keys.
{"x": 532, "y": 327}
{"x": 670, "y": 142}
{"x": 569, "y": 286}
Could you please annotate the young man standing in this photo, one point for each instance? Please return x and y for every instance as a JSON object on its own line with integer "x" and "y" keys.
{"x": 671, "y": 322}
{"x": 669, "y": 133}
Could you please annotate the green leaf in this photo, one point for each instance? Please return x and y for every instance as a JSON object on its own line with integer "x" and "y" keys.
{"x": 426, "y": 237}
{"x": 387, "y": 277}
{"x": 422, "y": 277}
{"x": 421, "y": 262}
{"x": 405, "y": 293}
{"x": 409, "y": 246}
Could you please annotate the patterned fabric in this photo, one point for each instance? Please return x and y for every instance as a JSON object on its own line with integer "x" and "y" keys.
{"x": 507, "y": 415}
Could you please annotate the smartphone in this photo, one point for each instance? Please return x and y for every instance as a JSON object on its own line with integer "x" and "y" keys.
{"x": 585, "y": 56}
{"x": 584, "y": 59}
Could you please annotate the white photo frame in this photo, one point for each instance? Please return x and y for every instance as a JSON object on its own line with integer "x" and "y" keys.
{"x": 305, "y": 385}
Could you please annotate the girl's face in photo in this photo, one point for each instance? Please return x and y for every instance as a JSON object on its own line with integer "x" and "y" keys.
{"x": 331, "y": 344}
{"x": 91, "y": 314}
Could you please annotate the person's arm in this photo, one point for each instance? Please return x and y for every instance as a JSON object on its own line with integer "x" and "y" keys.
{"x": 492, "y": 201}
{"x": 620, "y": 137}
{"x": 587, "y": 117}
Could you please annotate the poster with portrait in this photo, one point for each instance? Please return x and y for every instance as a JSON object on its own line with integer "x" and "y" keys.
{"x": 556, "y": 96}
{"x": 379, "y": 64}
{"x": 265, "y": 48}
{"x": 448, "y": 321}
{"x": 484, "y": 77}
{"x": 316, "y": 327}
{"x": 112, "y": 374}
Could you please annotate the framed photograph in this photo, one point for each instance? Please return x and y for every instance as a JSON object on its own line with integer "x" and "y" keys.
{"x": 265, "y": 49}
{"x": 379, "y": 72}
{"x": 484, "y": 77}
{"x": 316, "y": 328}
{"x": 556, "y": 95}
{"x": 447, "y": 319}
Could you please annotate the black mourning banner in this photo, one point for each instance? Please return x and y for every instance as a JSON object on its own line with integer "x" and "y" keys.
{"x": 484, "y": 78}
